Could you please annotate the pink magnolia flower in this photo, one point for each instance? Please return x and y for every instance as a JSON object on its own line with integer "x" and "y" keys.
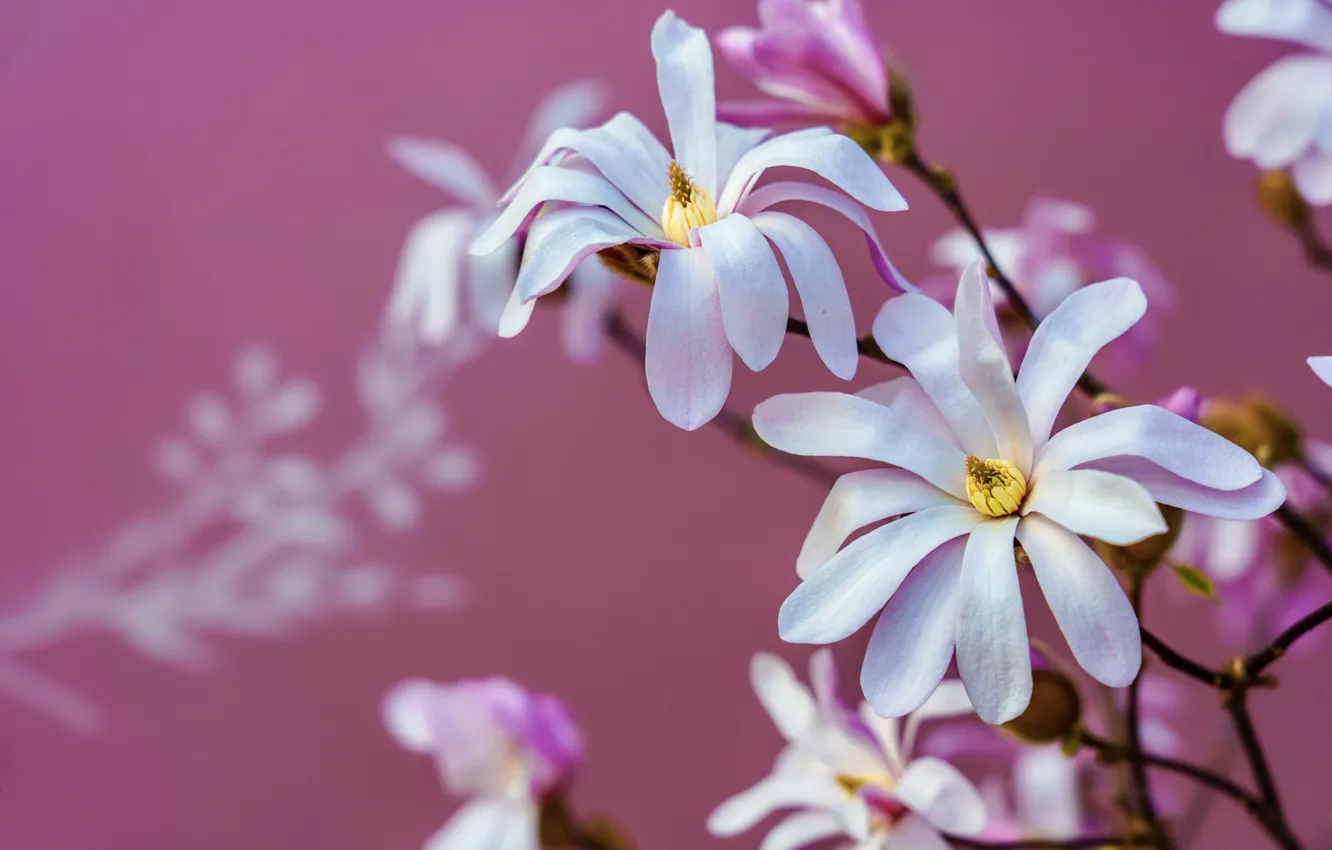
{"x": 850, "y": 775}
{"x": 494, "y": 742}
{"x": 1283, "y": 118}
{"x": 972, "y": 467}
{"x": 435, "y": 275}
{"x": 817, "y": 60}
{"x": 718, "y": 283}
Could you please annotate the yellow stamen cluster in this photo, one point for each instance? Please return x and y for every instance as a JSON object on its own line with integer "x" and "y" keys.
{"x": 995, "y": 487}
{"x": 688, "y": 206}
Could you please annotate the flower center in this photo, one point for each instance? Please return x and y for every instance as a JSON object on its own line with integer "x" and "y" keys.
{"x": 995, "y": 487}
{"x": 688, "y": 206}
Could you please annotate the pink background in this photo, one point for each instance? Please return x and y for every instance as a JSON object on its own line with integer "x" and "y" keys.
{"x": 180, "y": 179}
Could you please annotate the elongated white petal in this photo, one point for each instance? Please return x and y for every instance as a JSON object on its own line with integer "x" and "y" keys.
{"x": 823, "y": 295}
{"x": 1047, "y": 789}
{"x": 1065, "y": 342}
{"x": 559, "y": 241}
{"x": 832, "y": 156}
{"x": 912, "y": 643}
{"x": 688, "y": 358}
{"x": 788, "y": 703}
{"x": 1092, "y": 611}
{"x": 844, "y": 593}
{"x": 427, "y": 284}
{"x": 1307, "y": 22}
{"x": 1274, "y": 118}
{"x": 573, "y": 104}
{"x": 802, "y": 829}
{"x": 1253, "y": 502}
{"x": 985, "y": 369}
{"x": 992, "y": 650}
{"x": 1313, "y": 177}
{"x": 861, "y": 498}
{"x": 515, "y": 316}
{"x": 780, "y": 790}
{"x": 490, "y": 283}
{"x": 911, "y": 833}
{"x": 920, "y": 333}
{"x": 753, "y": 294}
{"x": 1147, "y": 431}
{"x": 1109, "y": 507}
{"x": 1322, "y": 367}
{"x": 498, "y": 824}
{"x": 841, "y": 425}
{"x": 447, "y": 166}
{"x": 907, "y": 398}
{"x": 936, "y": 791}
{"x": 688, "y": 96}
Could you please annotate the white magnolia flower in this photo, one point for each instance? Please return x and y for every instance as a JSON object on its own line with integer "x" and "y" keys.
{"x": 718, "y": 283}
{"x": 850, "y": 775}
{"x": 977, "y": 469}
{"x": 1322, "y": 367}
{"x": 435, "y": 268}
{"x": 1283, "y": 118}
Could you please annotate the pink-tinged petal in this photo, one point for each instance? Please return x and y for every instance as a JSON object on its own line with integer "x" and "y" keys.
{"x": 1092, "y": 611}
{"x": 1313, "y": 177}
{"x": 910, "y": 833}
{"x": 754, "y": 300}
{"x": 861, "y": 498}
{"x": 1274, "y": 118}
{"x": 823, "y": 295}
{"x": 844, "y": 593}
{"x": 846, "y": 19}
{"x": 832, "y": 156}
{"x": 993, "y": 657}
{"x": 734, "y": 142}
{"x": 935, "y": 790}
{"x": 558, "y": 242}
{"x": 447, "y": 166}
{"x": 921, "y": 334}
{"x": 515, "y": 316}
{"x": 427, "y": 284}
{"x": 775, "y": 193}
{"x": 805, "y": 68}
{"x": 1147, "y": 431}
{"x": 688, "y": 358}
{"x": 491, "y": 823}
{"x": 574, "y": 104}
{"x": 985, "y": 369}
{"x": 841, "y": 425}
{"x": 688, "y": 96}
{"x": 1306, "y": 22}
{"x": 781, "y": 790}
{"x": 802, "y": 829}
{"x": 823, "y": 680}
{"x": 1048, "y": 791}
{"x": 1252, "y": 502}
{"x": 590, "y": 299}
{"x": 908, "y": 398}
{"x": 1109, "y": 507}
{"x": 1065, "y": 343}
{"x": 788, "y": 703}
{"x": 771, "y": 113}
{"x": 490, "y": 283}
{"x": 912, "y": 643}
{"x": 1322, "y": 367}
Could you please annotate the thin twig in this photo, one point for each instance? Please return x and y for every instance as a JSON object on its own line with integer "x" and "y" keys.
{"x": 1272, "y": 816}
{"x": 1305, "y": 532}
{"x": 1174, "y": 660}
{"x": 1260, "y": 661}
{"x": 1142, "y": 792}
{"x": 865, "y": 345}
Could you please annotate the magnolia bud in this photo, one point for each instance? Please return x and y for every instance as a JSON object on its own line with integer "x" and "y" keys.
{"x": 1282, "y": 201}
{"x": 1054, "y": 711}
{"x": 1138, "y": 559}
{"x": 1257, "y": 426}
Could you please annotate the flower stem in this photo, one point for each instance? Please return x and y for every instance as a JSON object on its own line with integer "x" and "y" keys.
{"x": 1260, "y": 661}
{"x": 1305, "y": 532}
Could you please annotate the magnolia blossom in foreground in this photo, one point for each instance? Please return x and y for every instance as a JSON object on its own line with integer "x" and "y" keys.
{"x": 974, "y": 468}
{"x": 700, "y": 223}
{"x": 435, "y": 270}
{"x": 818, "y": 60}
{"x": 494, "y": 742}
{"x": 850, "y": 774}
{"x": 1283, "y": 118}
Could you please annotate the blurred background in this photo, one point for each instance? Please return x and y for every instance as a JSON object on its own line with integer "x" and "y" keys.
{"x": 198, "y": 232}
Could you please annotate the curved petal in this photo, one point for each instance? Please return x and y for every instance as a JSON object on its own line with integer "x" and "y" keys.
{"x": 1313, "y": 177}
{"x": 1147, "y": 431}
{"x": 1253, "y": 502}
{"x": 515, "y": 316}
{"x": 573, "y": 104}
{"x": 427, "y": 284}
{"x": 832, "y": 156}
{"x": 1275, "y": 116}
{"x": 788, "y": 703}
{"x": 993, "y": 657}
{"x": 688, "y": 358}
{"x": 985, "y": 369}
{"x": 823, "y": 295}
{"x": 912, "y": 643}
{"x": 860, "y": 498}
{"x": 1322, "y": 367}
{"x": 781, "y": 790}
{"x": 935, "y": 790}
{"x": 921, "y": 334}
{"x": 802, "y": 829}
{"x": 1109, "y": 507}
{"x": 754, "y": 301}
{"x": 841, "y": 425}
{"x": 559, "y": 241}
{"x": 1065, "y": 343}
{"x": 447, "y": 166}
{"x": 844, "y": 593}
{"x": 905, "y": 396}
{"x": 688, "y": 96}
{"x": 910, "y": 833}
{"x": 1306, "y": 22}
{"x": 490, "y": 283}
{"x": 1092, "y": 611}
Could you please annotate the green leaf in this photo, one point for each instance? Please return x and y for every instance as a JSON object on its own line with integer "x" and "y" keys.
{"x": 1195, "y": 580}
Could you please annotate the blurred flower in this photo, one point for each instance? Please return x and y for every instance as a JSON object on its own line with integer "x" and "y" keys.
{"x": 1053, "y": 253}
{"x": 1042, "y": 799}
{"x": 1283, "y": 118}
{"x": 847, "y": 774}
{"x": 435, "y": 268}
{"x": 817, "y": 59}
{"x": 718, "y": 284}
{"x": 494, "y": 742}
{"x": 978, "y": 469}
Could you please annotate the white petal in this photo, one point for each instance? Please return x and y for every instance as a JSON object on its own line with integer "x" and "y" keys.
{"x": 844, "y": 593}
{"x": 906, "y": 397}
{"x": 1313, "y": 177}
{"x": 912, "y": 643}
{"x": 751, "y": 286}
{"x": 498, "y": 824}
{"x": 860, "y": 498}
{"x": 1232, "y": 547}
{"x": 823, "y": 295}
{"x": 911, "y": 833}
{"x": 1322, "y": 367}
{"x": 490, "y": 283}
{"x": 558, "y": 242}
{"x": 985, "y": 369}
{"x": 1047, "y": 788}
{"x": 688, "y": 359}
{"x": 1307, "y": 22}
{"x": 1274, "y": 118}
{"x": 1098, "y": 504}
{"x": 823, "y": 679}
{"x": 783, "y": 789}
{"x": 802, "y": 829}
{"x": 788, "y": 703}
{"x": 515, "y": 316}
{"x": 992, "y": 650}
{"x": 1147, "y": 431}
{"x": 936, "y": 791}
{"x": 688, "y": 96}
{"x": 1065, "y": 342}
{"x": 406, "y": 712}
{"x": 1087, "y": 601}
{"x": 1253, "y": 502}
{"x": 572, "y": 104}
{"x": 841, "y": 425}
{"x": 832, "y": 156}
{"x": 427, "y": 284}
{"x": 920, "y": 333}
{"x": 447, "y": 166}
{"x": 948, "y": 700}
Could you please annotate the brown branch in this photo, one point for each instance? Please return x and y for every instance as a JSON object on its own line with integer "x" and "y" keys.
{"x": 865, "y": 345}
{"x": 1305, "y": 532}
{"x": 1260, "y": 661}
{"x": 1174, "y": 660}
